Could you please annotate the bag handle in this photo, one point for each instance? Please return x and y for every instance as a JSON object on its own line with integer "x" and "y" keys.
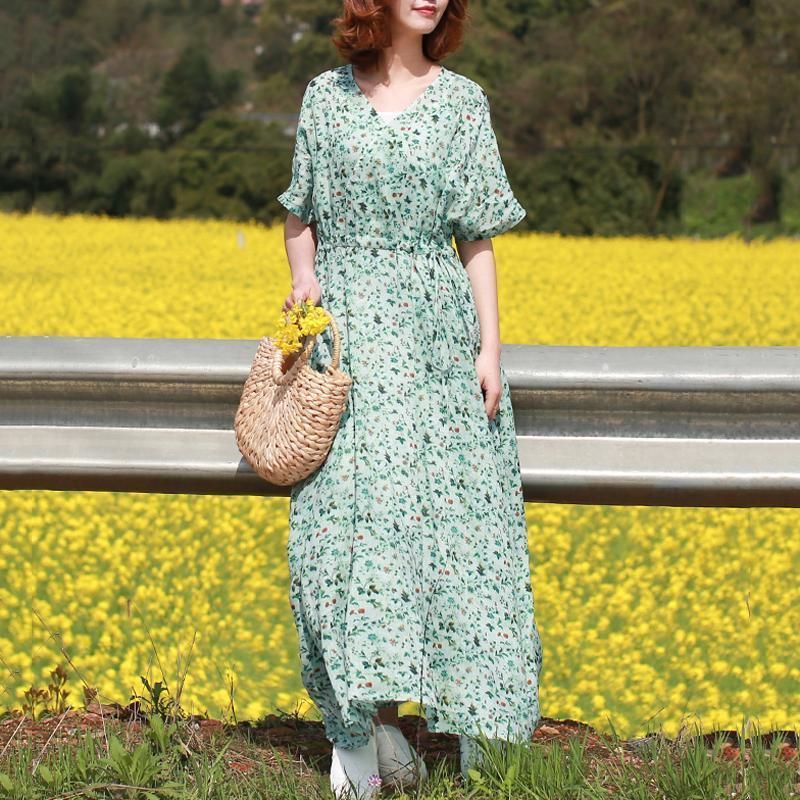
{"x": 279, "y": 376}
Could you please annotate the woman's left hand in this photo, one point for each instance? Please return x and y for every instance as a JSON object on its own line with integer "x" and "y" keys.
{"x": 487, "y": 365}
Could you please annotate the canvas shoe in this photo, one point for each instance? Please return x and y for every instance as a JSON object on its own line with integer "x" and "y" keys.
{"x": 399, "y": 764}
{"x": 354, "y": 772}
{"x": 470, "y": 754}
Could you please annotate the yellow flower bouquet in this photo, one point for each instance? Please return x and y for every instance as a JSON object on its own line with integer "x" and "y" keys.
{"x": 298, "y": 325}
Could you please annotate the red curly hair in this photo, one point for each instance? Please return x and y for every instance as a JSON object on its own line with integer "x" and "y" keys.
{"x": 363, "y": 31}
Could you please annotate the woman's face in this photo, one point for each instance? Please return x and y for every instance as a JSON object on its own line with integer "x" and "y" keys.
{"x": 418, "y": 16}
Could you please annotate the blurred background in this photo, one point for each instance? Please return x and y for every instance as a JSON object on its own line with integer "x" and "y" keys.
{"x": 614, "y": 116}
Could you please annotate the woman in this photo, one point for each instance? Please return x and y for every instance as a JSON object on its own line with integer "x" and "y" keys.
{"x": 408, "y": 548}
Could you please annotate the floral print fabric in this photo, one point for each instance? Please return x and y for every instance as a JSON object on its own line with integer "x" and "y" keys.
{"x": 408, "y": 549}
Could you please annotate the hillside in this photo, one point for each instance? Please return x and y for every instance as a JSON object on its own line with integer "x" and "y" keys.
{"x": 115, "y": 107}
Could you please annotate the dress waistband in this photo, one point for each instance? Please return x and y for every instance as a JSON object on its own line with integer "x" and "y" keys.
{"x": 435, "y": 287}
{"x": 380, "y": 243}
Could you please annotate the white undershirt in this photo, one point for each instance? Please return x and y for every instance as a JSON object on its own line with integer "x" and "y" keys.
{"x": 389, "y": 115}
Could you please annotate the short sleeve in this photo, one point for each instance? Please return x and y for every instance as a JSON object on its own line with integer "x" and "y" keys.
{"x": 480, "y": 202}
{"x": 298, "y": 197}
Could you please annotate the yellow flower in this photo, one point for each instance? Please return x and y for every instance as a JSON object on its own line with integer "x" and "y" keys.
{"x": 301, "y": 320}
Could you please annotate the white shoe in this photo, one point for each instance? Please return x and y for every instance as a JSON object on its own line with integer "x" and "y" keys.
{"x": 399, "y": 764}
{"x": 469, "y": 752}
{"x": 354, "y": 772}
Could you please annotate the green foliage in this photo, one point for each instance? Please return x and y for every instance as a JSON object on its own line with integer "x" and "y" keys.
{"x": 180, "y": 7}
{"x": 518, "y": 17}
{"x": 274, "y": 50}
{"x": 222, "y": 171}
{"x": 63, "y": 98}
{"x": 594, "y": 191}
{"x": 79, "y": 78}
{"x": 559, "y": 8}
{"x": 73, "y": 90}
{"x": 133, "y": 178}
{"x": 713, "y": 207}
{"x": 67, "y": 8}
{"x": 192, "y": 88}
{"x": 226, "y": 168}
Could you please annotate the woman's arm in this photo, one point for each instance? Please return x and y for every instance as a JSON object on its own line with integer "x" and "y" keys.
{"x": 478, "y": 259}
{"x": 300, "y": 241}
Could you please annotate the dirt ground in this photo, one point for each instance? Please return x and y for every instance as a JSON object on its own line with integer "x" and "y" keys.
{"x": 304, "y": 743}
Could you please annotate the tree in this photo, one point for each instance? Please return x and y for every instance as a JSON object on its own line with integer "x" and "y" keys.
{"x": 191, "y": 89}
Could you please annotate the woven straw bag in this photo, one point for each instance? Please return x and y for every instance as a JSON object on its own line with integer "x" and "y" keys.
{"x": 287, "y": 418}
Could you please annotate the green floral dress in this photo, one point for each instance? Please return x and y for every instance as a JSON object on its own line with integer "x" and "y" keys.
{"x": 408, "y": 548}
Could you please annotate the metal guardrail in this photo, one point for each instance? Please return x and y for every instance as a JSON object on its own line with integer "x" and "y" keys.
{"x": 678, "y": 426}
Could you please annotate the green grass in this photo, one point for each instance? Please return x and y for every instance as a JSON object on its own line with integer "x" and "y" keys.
{"x": 166, "y": 763}
{"x": 165, "y": 755}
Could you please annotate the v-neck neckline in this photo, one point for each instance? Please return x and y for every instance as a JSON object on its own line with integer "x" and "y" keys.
{"x": 411, "y": 107}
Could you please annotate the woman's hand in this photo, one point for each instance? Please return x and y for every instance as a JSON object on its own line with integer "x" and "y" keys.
{"x": 305, "y": 287}
{"x": 487, "y": 365}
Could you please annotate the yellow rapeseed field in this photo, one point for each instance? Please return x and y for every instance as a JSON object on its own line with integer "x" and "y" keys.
{"x": 649, "y": 616}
